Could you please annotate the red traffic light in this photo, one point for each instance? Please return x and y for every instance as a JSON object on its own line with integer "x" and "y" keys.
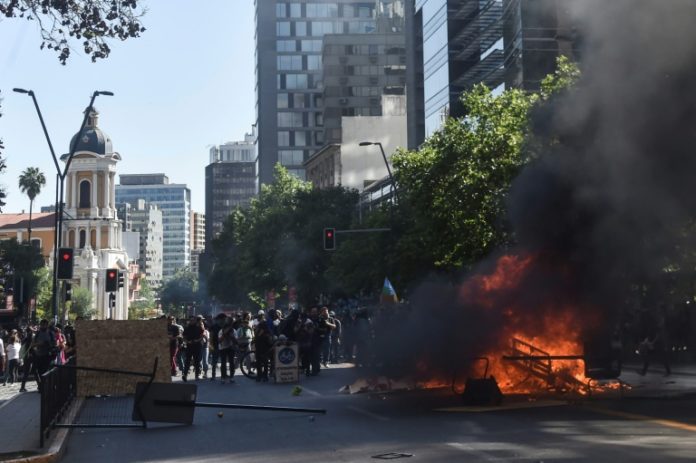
{"x": 329, "y": 239}
{"x": 111, "y": 280}
{"x": 65, "y": 263}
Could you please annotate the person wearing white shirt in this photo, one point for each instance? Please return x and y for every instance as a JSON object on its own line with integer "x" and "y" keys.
{"x": 12, "y": 370}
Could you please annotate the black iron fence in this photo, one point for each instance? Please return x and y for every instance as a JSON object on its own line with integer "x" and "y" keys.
{"x": 58, "y": 388}
{"x": 86, "y": 397}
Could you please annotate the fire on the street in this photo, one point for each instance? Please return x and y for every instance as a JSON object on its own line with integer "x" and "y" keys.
{"x": 531, "y": 336}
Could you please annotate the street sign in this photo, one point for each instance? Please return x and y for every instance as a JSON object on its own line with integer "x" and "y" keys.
{"x": 286, "y": 357}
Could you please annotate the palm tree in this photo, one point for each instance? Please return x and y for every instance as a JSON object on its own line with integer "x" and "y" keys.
{"x": 30, "y": 182}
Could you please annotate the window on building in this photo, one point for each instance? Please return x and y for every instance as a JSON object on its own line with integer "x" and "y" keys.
{"x": 313, "y": 62}
{"x": 300, "y": 29}
{"x": 282, "y": 28}
{"x": 286, "y": 45}
{"x": 281, "y": 10}
{"x": 300, "y": 139}
{"x": 299, "y": 100}
{"x": 282, "y": 100}
{"x": 85, "y": 194}
{"x": 311, "y": 45}
{"x": 83, "y": 238}
{"x": 283, "y": 138}
{"x": 295, "y": 10}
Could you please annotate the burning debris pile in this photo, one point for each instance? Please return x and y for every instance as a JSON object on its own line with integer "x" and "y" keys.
{"x": 608, "y": 203}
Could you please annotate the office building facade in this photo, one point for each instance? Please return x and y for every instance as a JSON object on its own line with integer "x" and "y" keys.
{"x": 289, "y": 72}
{"x": 230, "y": 182}
{"x": 174, "y": 200}
{"x": 358, "y": 70}
{"x": 535, "y": 34}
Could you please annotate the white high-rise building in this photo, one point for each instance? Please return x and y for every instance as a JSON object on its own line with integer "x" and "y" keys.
{"x": 174, "y": 200}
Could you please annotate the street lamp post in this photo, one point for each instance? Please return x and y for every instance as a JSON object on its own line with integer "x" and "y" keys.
{"x": 60, "y": 177}
{"x": 386, "y": 163}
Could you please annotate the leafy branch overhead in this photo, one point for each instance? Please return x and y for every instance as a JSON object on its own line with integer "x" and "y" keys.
{"x": 93, "y": 22}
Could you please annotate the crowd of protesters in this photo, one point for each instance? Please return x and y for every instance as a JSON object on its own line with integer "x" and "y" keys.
{"x": 27, "y": 352}
{"x": 201, "y": 345}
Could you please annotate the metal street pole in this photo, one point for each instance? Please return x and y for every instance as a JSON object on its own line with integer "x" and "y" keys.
{"x": 61, "y": 174}
{"x": 386, "y": 163}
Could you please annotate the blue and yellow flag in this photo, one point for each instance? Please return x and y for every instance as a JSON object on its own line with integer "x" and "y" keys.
{"x": 388, "y": 292}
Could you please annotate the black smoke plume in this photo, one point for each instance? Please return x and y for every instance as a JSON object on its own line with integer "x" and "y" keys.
{"x": 607, "y": 207}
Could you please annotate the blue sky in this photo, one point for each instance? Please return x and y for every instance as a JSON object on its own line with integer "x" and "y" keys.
{"x": 186, "y": 84}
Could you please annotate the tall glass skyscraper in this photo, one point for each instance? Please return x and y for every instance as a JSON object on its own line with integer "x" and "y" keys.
{"x": 289, "y": 75}
{"x": 174, "y": 200}
{"x": 456, "y": 44}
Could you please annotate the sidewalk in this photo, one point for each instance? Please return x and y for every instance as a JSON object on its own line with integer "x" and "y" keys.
{"x": 19, "y": 427}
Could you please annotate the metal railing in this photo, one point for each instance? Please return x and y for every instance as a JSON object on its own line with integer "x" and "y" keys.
{"x": 59, "y": 391}
{"x": 58, "y": 388}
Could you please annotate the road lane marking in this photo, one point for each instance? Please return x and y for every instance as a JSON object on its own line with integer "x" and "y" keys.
{"x": 651, "y": 419}
{"x": 504, "y": 406}
{"x": 367, "y": 413}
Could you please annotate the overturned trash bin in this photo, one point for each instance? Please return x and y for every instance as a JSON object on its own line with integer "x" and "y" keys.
{"x": 484, "y": 390}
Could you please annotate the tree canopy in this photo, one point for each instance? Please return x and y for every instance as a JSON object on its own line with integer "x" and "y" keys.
{"x": 90, "y": 23}
{"x": 276, "y": 243}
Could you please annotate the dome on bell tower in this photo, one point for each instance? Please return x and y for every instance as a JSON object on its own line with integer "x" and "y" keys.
{"x": 92, "y": 138}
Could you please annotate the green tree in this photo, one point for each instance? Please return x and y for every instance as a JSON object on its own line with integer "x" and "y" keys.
{"x": 93, "y": 23}
{"x": 20, "y": 263}
{"x": 81, "y": 303}
{"x": 276, "y": 243}
{"x": 30, "y": 182}
{"x": 44, "y": 282}
{"x": 144, "y": 305}
{"x": 180, "y": 291}
{"x": 453, "y": 189}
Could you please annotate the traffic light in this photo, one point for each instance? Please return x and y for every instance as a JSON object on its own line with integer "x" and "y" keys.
{"x": 329, "y": 239}
{"x": 68, "y": 292}
{"x": 112, "y": 300}
{"x": 121, "y": 276}
{"x": 111, "y": 280}
{"x": 65, "y": 263}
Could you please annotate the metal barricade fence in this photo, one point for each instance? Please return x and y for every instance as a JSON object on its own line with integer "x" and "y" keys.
{"x": 58, "y": 389}
{"x": 86, "y": 397}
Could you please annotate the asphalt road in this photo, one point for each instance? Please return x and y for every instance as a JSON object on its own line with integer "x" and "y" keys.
{"x": 431, "y": 426}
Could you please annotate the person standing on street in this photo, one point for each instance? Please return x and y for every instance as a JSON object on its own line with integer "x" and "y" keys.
{"x": 13, "y": 347}
{"x": 227, "y": 342}
{"x": 193, "y": 337}
{"x": 325, "y": 326}
{"x": 214, "y": 342}
{"x": 174, "y": 332}
{"x": 43, "y": 347}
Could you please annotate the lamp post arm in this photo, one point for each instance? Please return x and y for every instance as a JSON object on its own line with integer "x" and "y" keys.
{"x": 73, "y": 145}
{"x": 43, "y": 126}
{"x": 391, "y": 177}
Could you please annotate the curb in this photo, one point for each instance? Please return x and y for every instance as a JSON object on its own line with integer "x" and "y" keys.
{"x": 56, "y": 449}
